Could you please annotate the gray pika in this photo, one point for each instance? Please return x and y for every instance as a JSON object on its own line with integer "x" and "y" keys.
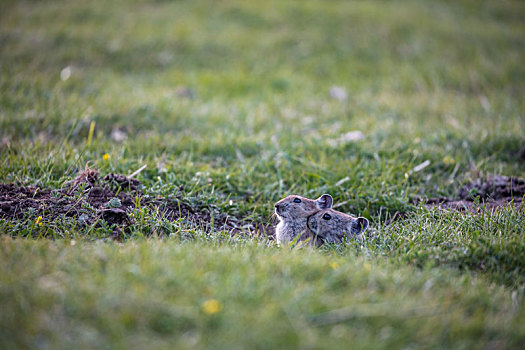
{"x": 293, "y": 211}
{"x": 331, "y": 226}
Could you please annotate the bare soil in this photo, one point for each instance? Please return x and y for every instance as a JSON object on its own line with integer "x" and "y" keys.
{"x": 112, "y": 199}
{"x": 490, "y": 192}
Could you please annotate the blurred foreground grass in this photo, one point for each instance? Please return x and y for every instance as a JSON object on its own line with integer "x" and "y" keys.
{"x": 156, "y": 294}
{"x": 230, "y": 100}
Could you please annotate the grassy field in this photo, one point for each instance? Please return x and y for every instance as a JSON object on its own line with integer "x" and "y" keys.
{"x": 229, "y": 106}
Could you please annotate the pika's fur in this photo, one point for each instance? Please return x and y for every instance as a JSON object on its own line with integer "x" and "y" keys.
{"x": 293, "y": 211}
{"x": 331, "y": 226}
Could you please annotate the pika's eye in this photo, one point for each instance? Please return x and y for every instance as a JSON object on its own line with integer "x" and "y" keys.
{"x": 297, "y": 200}
{"x": 327, "y": 216}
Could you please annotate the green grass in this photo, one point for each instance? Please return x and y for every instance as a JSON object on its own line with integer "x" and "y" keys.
{"x": 440, "y": 81}
{"x": 151, "y": 294}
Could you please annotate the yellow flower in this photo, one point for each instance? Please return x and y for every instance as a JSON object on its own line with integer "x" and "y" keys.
{"x": 38, "y": 221}
{"x": 211, "y": 306}
{"x": 334, "y": 265}
{"x": 105, "y": 156}
{"x": 448, "y": 160}
{"x": 367, "y": 267}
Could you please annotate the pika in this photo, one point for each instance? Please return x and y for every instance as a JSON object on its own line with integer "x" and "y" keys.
{"x": 293, "y": 211}
{"x": 331, "y": 226}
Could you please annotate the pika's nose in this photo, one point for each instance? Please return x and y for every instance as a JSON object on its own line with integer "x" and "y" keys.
{"x": 277, "y": 206}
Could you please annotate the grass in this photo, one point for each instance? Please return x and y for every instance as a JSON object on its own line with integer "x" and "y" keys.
{"x": 153, "y": 294}
{"x": 229, "y": 101}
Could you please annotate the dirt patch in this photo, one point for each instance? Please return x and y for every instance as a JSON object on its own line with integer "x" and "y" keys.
{"x": 490, "y": 192}
{"x": 118, "y": 181}
{"x": 92, "y": 201}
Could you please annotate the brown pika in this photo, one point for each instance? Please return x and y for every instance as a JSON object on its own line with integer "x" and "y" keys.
{"x": 293, "y": 211}
{"x": 331, "y": 226}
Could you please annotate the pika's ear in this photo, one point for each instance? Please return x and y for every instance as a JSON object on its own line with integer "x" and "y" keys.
{"x": 358, "y": 226}
{"x": 324, "y": 202}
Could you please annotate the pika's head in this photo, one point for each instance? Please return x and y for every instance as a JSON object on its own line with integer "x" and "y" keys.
{"x": 295, "y": 207}
{"x": 332, "y": 225}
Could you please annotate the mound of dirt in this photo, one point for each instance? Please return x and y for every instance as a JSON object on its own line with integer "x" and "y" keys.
{"x": 493, "y": 191}
{"x": 90, "y": 201}
{"x": 86, "y": 199}
{"x": 493, "y": 188}
{"x": 118, "y": 181}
